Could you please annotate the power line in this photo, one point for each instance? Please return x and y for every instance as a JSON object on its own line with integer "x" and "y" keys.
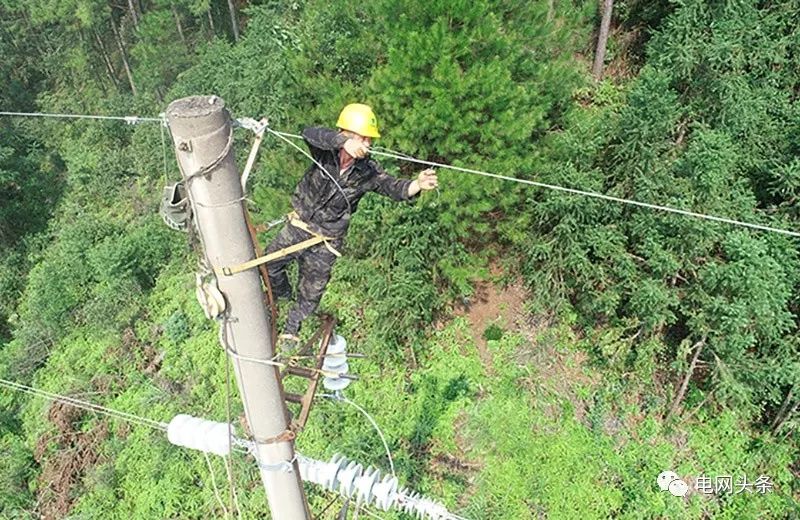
{"x": 283, "y": 136}
{"x": 584, "y": 193}
{"x": 85, "y": 405}
{"x": 214, "y": 486}
{"x": 374, "y": 424}
{"x": 131, "y": 120}
{"x": 404, "y": 157}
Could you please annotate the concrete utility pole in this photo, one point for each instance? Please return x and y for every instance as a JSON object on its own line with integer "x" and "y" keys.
{"x": 201, "y": 131}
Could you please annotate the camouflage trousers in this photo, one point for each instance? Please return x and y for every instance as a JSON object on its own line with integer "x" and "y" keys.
{"x": 314, "y": 266}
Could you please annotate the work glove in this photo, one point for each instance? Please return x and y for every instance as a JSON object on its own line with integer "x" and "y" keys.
{"x": 356, "y": 148}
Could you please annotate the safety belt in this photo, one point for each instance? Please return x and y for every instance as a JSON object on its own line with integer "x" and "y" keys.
{"x": 295, "y": 221}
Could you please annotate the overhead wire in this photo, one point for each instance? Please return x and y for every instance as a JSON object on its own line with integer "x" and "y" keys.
{"x": 117, "y": 414}
{"x": 403, "y": 157}
{"x": 282, "y": 136}
{"x": 584, "y": 193}
{"x": 339, "y": 397}
{"x": 228, "y": 461}
{"x": 229, "y": 472}
{"x": 214, "y": 486}
{"x": 85, "y": 405}
{"x": 223, "y": 337}
{"x": 128, "y": 119}
{"x": 164, "y": 153}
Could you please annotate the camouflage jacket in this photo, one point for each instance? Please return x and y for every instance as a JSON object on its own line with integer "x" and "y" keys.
{"x": 319, "y": 202}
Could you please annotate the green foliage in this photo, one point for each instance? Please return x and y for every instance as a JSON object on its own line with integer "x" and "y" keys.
{"x": 96, "y": 295}
{"x": 15, "y": 473}
{"x": 456, "y": 86}
{"x": 699, "y": 129}
{"x": 399, "y": 271}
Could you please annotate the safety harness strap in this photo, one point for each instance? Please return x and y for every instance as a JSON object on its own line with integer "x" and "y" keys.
{"x": 296, "y": 222}
{"x": 315, "y": 239}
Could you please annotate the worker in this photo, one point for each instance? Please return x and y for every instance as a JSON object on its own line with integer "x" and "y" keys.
{"x": 324, "y": 202}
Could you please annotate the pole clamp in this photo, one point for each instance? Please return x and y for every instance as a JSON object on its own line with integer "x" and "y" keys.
{"x": 284, "y": 436}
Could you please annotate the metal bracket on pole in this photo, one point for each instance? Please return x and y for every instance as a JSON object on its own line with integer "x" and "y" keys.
{"x": 307, "y": 399}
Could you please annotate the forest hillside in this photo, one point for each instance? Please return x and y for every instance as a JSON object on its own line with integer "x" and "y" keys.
{"x": 531, "y": 353}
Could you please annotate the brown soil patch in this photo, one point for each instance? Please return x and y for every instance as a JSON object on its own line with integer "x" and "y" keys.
{"x": 458, "y": 466}
{"x": 65, "y": 456}
{"x": 148, "y": 359}
{"x": 492, "y": 304}
{"x": 555, "y": 371}
{"x": 622, "y": 68}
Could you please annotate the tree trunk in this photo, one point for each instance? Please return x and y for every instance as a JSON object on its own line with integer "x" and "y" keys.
{"x": 234, "y": 21}
{"x": 784, "y": 412}
{"x": 602, "y": 40}
{"x": 211, "y": 22}
{"x": 178, "y": 24}
{"x": 87, "y": 44}
{"x": 112, "y": 72}
{"x": 121, "y": 47}
{"x": 134, "y": 14}
{"x": 676, "y": 404}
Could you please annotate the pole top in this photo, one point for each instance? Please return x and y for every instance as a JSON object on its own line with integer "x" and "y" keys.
{"x": 197, "y": 115}
{"x": 195, "y": 106}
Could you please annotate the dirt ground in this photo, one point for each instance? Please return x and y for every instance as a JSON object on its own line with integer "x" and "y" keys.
{"x": 64, "y": 467}
{"x": 493, "y": 304}
{"x": 558, "y": 372}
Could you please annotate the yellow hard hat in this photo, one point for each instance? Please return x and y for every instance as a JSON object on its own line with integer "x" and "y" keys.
{"x": 358, "y": 118}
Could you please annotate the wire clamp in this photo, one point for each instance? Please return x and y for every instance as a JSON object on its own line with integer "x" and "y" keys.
{"x": 248, "y": 123}
{"x": 285, "y": 465}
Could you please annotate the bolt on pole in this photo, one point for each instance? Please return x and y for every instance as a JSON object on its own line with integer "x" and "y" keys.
{"x": 202, "y": 134}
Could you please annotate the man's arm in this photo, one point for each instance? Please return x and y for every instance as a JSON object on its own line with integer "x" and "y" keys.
{"x": 397, "y": 189}
{"x": 324, "y": 138}
{"x": 403, "y": 189}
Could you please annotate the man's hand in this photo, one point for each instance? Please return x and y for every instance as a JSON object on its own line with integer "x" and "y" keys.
{"x": 355, "y": 148}
{"x": 426, "y": 180}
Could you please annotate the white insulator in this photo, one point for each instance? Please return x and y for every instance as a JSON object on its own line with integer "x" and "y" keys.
{"x": 422, "y": 507}
{"x": 352, "y": 481}
{"x": 338, "y": 366}
{"x": 337, "y": 345}
{"x": 363, "y": 485}
{"x": 347, "y": 477}
{"x": 385, "y": 492}
{"x": 335, "y": 384}
{"x": 200, "y": 434}
{"x": 322, "y": 473}
{"x": 338, "y": 462}
{"x": 335, "y": 362}
{"x": 407, "y": 500}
